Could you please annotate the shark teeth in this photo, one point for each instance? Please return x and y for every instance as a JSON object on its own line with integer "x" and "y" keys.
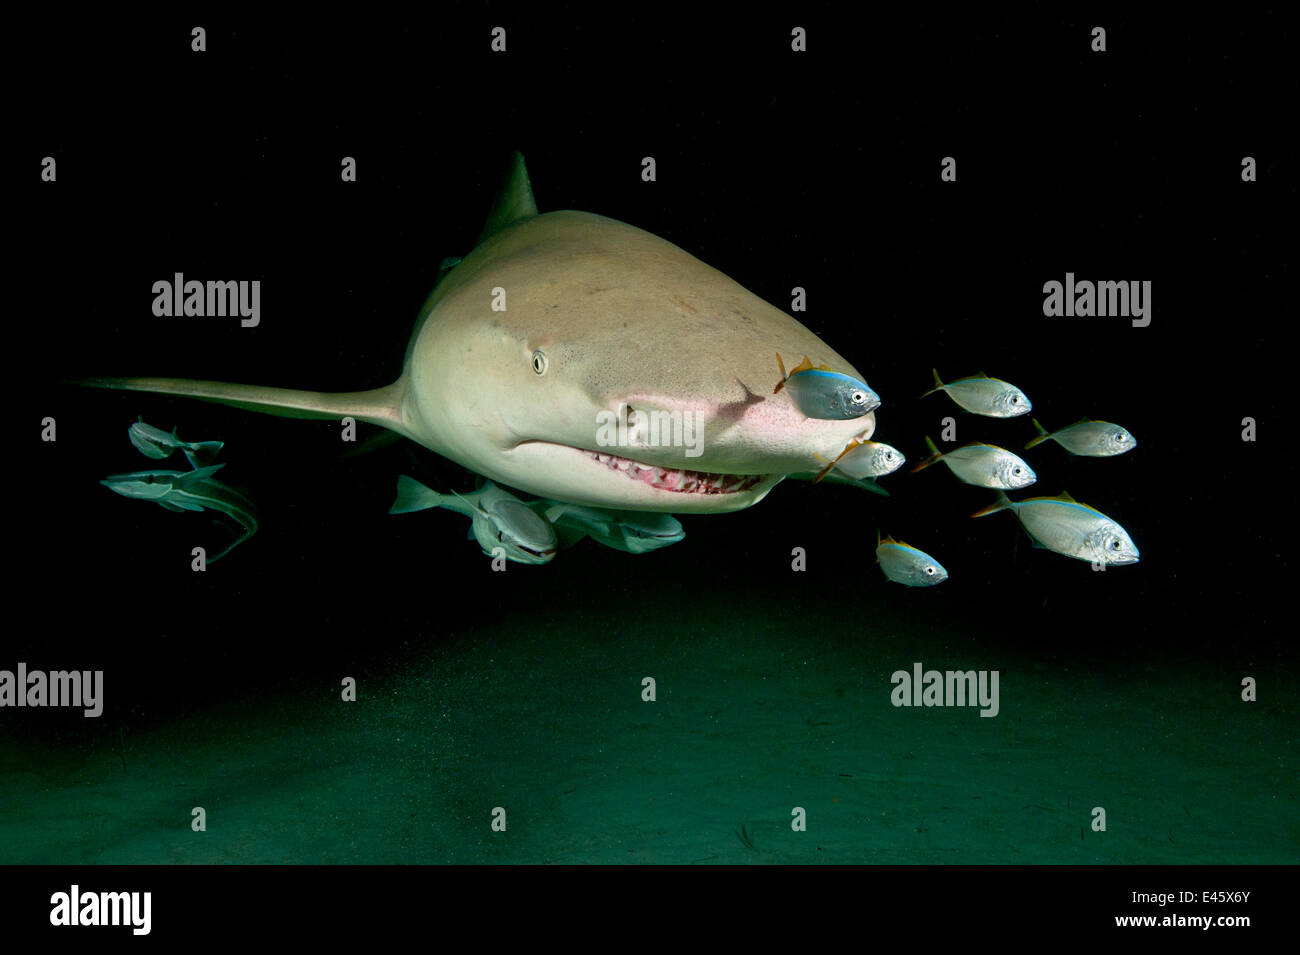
{"x": 677, "y": 480}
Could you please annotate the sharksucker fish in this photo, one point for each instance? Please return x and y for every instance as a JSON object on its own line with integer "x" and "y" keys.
{"x": 195, "y": 490}
{"x": 554, "y": 319}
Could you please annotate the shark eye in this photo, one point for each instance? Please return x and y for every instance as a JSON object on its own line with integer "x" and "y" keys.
{"x": 539, "y": 362}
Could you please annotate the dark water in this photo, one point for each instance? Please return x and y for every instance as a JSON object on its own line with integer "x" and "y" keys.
{"x": 522, "y": 690}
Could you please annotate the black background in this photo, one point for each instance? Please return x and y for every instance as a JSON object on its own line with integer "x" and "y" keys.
{"x": 819, "y": 170}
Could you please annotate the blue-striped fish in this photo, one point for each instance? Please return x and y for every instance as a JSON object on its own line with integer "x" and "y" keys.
{"x": 1063, "y": 525}
{"x": 983, "y": 465}
{"x": 821, "y": 392}
{"x": 863, "y": 461}
{"x": 906, "y": 565}
{"x": 980, "y": 394}
{"x": 1093, "y": 439}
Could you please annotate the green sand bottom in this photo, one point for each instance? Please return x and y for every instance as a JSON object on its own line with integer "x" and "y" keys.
{"x": 757, "y": 713}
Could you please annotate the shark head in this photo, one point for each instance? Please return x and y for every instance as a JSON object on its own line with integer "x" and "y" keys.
{"x": 585, "y": 360}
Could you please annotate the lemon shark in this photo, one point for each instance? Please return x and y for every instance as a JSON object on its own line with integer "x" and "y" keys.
{"x": 555, "y": 322}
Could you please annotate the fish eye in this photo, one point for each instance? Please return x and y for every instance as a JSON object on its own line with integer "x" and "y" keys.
{"x": 1115, "y": 544}
{"x": 1015, "y": 471}
{"x": 858, "y": 397}
{"x": 1015, "y": 399}
{"x": 539, "y": 362}
{"x": 929, "y": 571}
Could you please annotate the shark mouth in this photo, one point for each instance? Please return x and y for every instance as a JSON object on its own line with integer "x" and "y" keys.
{"x": 677, "y": 480}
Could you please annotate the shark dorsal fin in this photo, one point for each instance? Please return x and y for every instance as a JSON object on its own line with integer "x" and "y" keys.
{"x": 514, "y": 202}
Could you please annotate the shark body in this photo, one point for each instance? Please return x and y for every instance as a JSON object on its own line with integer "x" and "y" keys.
{"x": 555, "y": 322}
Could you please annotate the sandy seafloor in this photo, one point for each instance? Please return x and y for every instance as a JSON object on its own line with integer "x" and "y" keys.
{"x": 761, "y": 707}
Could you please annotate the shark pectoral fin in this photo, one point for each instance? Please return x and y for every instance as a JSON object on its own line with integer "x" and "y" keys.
{"x": 469, "y": 534}
{"x": 177, "y": 508}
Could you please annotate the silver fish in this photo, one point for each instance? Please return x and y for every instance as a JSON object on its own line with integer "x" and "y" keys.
{"x": 904, "y": 564}
{"x": 1093, "y": 439}
{"x": 861, "y": 462}
{"x": 498, "y": 518}
{"x": 983, "y": 465}
{"x": 158, "y": 444}
{"x": 980, "y": 394}
{"x": 1063, "y": 525}
{"x": 189, "y": 491}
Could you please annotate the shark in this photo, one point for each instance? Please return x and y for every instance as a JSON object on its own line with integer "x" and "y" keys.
{"x": 557, "y": 321}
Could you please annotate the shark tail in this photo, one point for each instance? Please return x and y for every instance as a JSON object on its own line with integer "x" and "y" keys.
{"x": 413, "y": 496}
{"x": 381, "y": 406}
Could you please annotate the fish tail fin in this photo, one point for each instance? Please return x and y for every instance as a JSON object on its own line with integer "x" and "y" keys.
{"x": 381, "y": 406}
{"x": 413, "y": 496}
{"x": 200, "y": 474}
{"x": 935, "y": 456}
{"x": 1043, "y": 435}
{"x": 202, "y": 453}
{"x": 824, "y": 471}
{"x": 938, "y": 383}
{"x": 1003, "y": 502}
{"x": 781, "y": 365}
